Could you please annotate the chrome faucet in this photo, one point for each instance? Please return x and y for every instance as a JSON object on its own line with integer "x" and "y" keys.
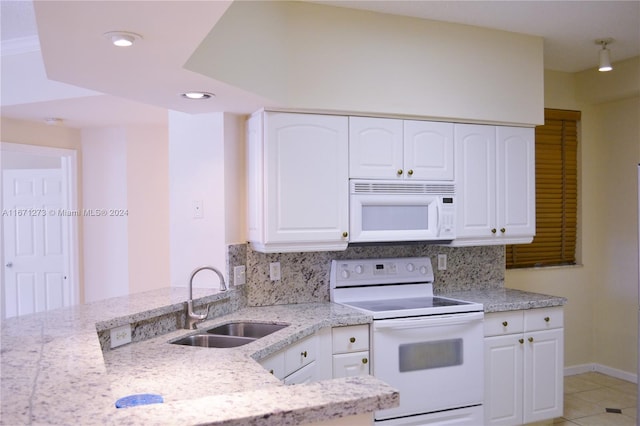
{"x": 191, "y": 317}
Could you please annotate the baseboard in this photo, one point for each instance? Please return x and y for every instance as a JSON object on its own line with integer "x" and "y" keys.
{"x": 599, "y": 368}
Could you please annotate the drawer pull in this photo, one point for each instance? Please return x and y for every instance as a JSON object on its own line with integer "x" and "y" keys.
{"x": 364, "y": 360}
{"x": 304, "y": 354}
{"x": 521, "y": 341}
{"x": 530, "y": 339}
{"x": 504, "y": 323}
{"x": 352, "y": 340}
{"x": 271, "y": 371}
{"x": 547, "y": 319}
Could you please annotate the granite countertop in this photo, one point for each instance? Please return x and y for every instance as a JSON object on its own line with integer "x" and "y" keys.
{"x": 506, "y": 299}
{"x": 54, "y": 372}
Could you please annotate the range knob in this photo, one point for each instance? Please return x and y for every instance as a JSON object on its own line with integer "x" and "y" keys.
{"x": 345, "y": 274}
{"x": 410, "y": 267}
{"x": 359, "y": 269}
{"x": 423, "y": 270}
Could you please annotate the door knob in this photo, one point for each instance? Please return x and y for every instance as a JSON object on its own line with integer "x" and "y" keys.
{"x": 9, "y": 265}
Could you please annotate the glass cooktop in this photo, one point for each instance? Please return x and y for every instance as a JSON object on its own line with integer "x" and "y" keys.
{"x": 403, "y": 304}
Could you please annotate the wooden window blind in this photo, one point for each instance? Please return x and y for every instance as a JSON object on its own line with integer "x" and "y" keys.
{"x": 556, "y": 144}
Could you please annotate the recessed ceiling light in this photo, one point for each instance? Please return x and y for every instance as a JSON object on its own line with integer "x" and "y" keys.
{"x": 197, "y": 95}
{"x": 122, "y": 38}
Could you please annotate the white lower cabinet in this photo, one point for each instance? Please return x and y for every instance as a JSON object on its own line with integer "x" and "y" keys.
{"x": 524, "y": 361}
{"x": 328, "y": 353}
{"x": 350, "y": 350}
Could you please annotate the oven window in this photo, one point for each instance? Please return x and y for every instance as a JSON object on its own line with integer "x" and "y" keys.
{"x": 394, "y": 218}
{"x": 427, "y": 355}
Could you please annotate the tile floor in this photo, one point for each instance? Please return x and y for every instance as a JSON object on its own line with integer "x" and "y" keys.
{"x": 586, "y": 397}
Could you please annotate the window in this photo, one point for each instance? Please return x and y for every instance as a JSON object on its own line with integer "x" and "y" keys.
{"x": 556, "y": 195}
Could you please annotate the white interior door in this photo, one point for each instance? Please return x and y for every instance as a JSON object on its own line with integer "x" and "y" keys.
{"x": 36, "y": 251}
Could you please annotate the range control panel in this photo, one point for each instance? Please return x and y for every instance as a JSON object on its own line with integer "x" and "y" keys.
{"x": 346, "y": 273}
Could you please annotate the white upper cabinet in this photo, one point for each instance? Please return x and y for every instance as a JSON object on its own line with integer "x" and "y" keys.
{"x": 495, "y": 184}
{"x": 384, "y": 148}
{"x": 298, "y": 187}
{"x": 428, "y": 150}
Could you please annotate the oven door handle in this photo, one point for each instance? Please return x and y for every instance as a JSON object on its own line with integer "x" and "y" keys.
{"x": 431, "y": 321}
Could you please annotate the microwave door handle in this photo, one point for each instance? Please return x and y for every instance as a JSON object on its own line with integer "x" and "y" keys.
{"x": 434, "y": 321}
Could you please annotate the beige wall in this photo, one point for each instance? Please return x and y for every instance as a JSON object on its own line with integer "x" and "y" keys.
{"x": 302, "y": 55}
{"x": 601, "y": 316}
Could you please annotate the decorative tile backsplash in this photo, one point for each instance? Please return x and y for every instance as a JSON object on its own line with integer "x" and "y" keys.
{"x": 305, "y": 276}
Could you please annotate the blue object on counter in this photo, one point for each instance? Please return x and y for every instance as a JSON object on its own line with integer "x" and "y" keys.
{"x": 139, "y": 399}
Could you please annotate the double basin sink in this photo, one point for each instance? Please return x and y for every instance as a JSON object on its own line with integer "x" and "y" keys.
{"x": 230, "y": 335}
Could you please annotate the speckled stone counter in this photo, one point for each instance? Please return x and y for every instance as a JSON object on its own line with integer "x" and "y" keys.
{"x": 54, "y": 371}
{"x": 505, "y": 299}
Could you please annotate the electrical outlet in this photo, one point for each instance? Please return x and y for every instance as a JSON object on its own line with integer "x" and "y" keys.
{"x": 239, "y": 275}
{"x": 274, "y": 271}
{"x": 442, "y": 262}
{"x": 120, "y": 335}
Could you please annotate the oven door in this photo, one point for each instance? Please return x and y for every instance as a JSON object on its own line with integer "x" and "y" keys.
{"x": 436, "y": 362}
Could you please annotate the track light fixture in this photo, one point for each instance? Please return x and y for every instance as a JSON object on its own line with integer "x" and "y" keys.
{"x": 605, "y": 59}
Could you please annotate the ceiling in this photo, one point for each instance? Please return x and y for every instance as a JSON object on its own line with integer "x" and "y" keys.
{"x": 56, "y": 62}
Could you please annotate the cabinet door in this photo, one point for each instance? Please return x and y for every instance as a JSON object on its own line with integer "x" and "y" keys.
{"x": 375, "y": 148}
{"x": 428, "y": 150}
{"x": 475, "y": 169}
{"x": 543, "y": 375}
{"x": 503, "y": 359}
{"x": 516, "y": 189}
{"x": 307, "y": 186}
{"x": 351, "y": 364}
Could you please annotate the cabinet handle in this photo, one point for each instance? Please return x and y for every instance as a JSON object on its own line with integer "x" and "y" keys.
{"x": 271, "y": 371}
{"x": 521, "y": 341}
{"x": 304, "y": 354}
{"x": 530, "y": 339}
{"x": 345, "y": 234}
{"x": 399, "y": 172}
{"x": 504, "y": 323}
{"x": 352, "y": 339}
{"x": 503, "y": 230}
{"x": 494, "y": 230}
{"x": 547, "y": 319}
{"x": 410, "y": 172}
{"x": 364, "y": 360}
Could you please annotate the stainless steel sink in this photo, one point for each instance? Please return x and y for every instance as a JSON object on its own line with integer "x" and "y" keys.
{"x": 213, "y": 341}
{"x": 254, "y": 330}
{"x": 230, "y": 335}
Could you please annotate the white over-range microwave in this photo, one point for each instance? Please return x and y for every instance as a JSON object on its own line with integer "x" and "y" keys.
{"x": 387, "y": 211}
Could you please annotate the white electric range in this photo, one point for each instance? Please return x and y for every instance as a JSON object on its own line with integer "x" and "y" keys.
{"x": 428, "y": 347}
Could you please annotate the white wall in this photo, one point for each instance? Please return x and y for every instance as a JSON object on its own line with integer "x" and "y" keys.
{"x": 106, "y": 259}
{"x": 148, "y": 207}
{"x": 196, "y": 173}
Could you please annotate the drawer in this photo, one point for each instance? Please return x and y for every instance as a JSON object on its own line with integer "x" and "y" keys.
{"x": 352, "y": 338}
{"x": 543, "y": 318}
{"x": 307, "y": 374}
{"x": 351, "y": 364}
{"x": 499, "y": 323}
{"x": 300, "y": 354}
{"x": 274, "y": 364}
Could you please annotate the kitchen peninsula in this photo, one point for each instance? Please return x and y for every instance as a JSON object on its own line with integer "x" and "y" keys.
{"x": 54, "y": 371}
